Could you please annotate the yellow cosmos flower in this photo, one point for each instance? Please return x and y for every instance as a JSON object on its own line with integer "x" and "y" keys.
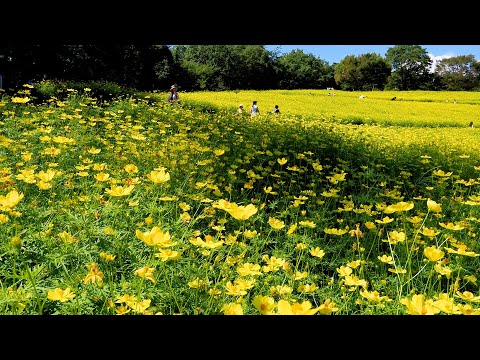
{"x": 398, "y": 207}
{"x": 131, "y": 168}
{"x": 327, "y": 307}
{"x": 442, "y": 270}
{"x": 307, "y": 288}
{"x": 370, "y": 225}
{"x": 94, "y": 150}
{"x": 140, "y": 307}
{"x": 119, "y": 190}
{"x": 280, "y": 290}
{"x": 468, "y": 296}
{"x": 317, "y": 166}
{"x": 184, "y": 206}
{"x": 282, "y": 161}
{"x": 300, "y": 275}
{"x": 462, "y": 251}
{"x": 268, "y": 190}
{"x": 185, "y": 217}
{"x": 155, "y": 237}
{"x": 414, "y": 219}
{"x": 334, "y": 231}
{"x": 20, "y": 100}
{"x": 354, "y": 280}
{"x": 208, "y": 243}
{"x": 107, "y": 257}
{"x": 249, "y": 269}
{"x": 168, "y": 254}
{"x": 395, "y": 237}
{"x": 264, "y": 304}
{"x": 317, "y": 252}
{"x": 234, "y": 290}
{"x": 95, "y": 275}
{"x": 355, "y": 263}
{"x": 232, "y": 308}
{"x": 441, "y": 173}
{"x": 385, "y": 259}
{"x": 146, "y": 273}
{"x": 241, "y": 212}
{"x": 46, "y": 176}
{"x": 304, "y": 308}
{"x": 276, "y": 223}
{"x": 385, "y": 220}
{"x": 451, "y": 226}
{"x": 61, "y": 295}
{"x": 308, "y": 223}
{"x": 101, "y": 176}
{"x": 432, "y": 253}
{"x": 433, "y": 206}
{"x": 158, "y": 176}
{"x": 42, "y": 185}
{"x": 429, "y": 232}
{"x": 4, "y": 218}
{"x": 292, "y": 229}
{"x": 374, "y": 296}
{"x": 344, "y": 270}
{"x": 10, "y": 200}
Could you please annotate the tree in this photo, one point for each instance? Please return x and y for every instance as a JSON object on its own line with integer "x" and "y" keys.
{"x": 224, "y": 67}
{"x": 366, "y": 72}
{"x": 459, "y": 73}
{"x": 410, "y": 66}
{"x": 304, "y": 71}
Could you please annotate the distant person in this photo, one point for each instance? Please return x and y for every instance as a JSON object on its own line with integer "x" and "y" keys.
{"x": 240, "y": 109}
{"x": 454, "y": 101}
{"x": 276, "y": 110}
{"x": 362, "y": 97}
{"x": 254, "y": 111}
{"x": 471, "y": 124}
{"x": 394, "y": 98}
{"x": 173, "y": 96}
{"x": 334, "y": 93}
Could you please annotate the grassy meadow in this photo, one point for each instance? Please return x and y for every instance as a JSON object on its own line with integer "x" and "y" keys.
{"x": 338, "y": 205}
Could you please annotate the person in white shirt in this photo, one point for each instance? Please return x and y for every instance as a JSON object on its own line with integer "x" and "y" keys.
{"x": 254, "y": 109}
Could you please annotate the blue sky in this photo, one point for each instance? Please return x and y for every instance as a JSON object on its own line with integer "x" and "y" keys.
{"x": 335, "y": 53}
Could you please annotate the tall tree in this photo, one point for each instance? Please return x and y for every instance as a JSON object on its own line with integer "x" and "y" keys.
{"x": 304, "y": 71}
{"x": 222, "y": 67}
{"x": 459, "y": 73}
{"x": 411, "y": 67}
{"x": 364, "y": 72}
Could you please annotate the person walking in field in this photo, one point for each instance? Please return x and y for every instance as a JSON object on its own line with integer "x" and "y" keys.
{"x": 173, "y": 96}
{"x": 254, "y": 111}
{"x": 240, "y": 110}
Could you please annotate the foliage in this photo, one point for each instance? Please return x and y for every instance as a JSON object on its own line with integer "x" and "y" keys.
{"x": 365, "y": 72}
{"x": 410, "y": 66}
{"x": 304, "y": 71}
{"x": 459, "y": 73}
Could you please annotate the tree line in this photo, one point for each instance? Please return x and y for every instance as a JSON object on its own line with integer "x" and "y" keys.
{"x": 234, "y": 67}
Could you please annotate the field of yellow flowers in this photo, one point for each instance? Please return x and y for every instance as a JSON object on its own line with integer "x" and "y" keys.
{"x": 335, "y": 206}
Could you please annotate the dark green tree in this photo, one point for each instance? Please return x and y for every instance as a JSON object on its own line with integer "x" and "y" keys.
{"x": 411, "y": 68}
{"x": 304, "y": 71}
{"x": 364, "y": 72}
{"x": 459, "y": 73}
